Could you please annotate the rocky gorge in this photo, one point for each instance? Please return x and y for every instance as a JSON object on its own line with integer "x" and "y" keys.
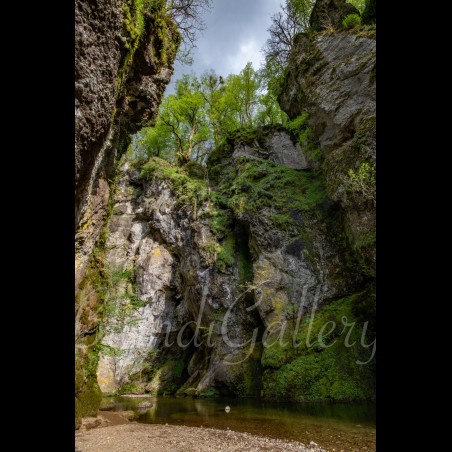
{"x": 124, "y": 56}
{"x": 250, "y": 275}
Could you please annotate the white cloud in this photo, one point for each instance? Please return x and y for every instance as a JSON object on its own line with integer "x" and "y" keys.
{"x": 249, "y": 51}
{"x": 236, "y": 32}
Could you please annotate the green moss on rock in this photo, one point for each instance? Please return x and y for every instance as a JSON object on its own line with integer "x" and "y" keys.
{"x": 226, "y": 255}
{"x": 315, "y": 372}
{"x": 189, "y": 190}
{"x": 87, "y": 392}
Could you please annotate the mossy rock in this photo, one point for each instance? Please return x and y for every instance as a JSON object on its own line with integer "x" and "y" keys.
{"x": 329, "y": 14}
{"x": 242, "y": 375}
{"x": 88, "y": 395}
{"x": 318, "y": 373}
{"x": 87, "y": 401}
{"x": 195, "y": 169}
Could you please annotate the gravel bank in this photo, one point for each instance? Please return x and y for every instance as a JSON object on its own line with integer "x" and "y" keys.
{"x": 175, "y": 438}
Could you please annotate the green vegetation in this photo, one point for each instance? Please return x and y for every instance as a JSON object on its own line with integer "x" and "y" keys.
{"x": 304, "y": 136}
{"x": 310, "y": 373}
{"x": 204, "y": 112}
{"x": 129, "y": 388}
{"x": 245, "y": 261}
{"x": 258, "y": 183}
{"x": 292, "y": 20}
{"x": 189, "y": 190}
{"x": 87, "y": 393}
{"x": 89, "y": 304}
{"x": 166, "y": 374}
{"x": 226, "y": 254}
{"x": 369, "y": 15}
{"x": 358, "y": 4}
{"x": 337, "y": 164}
{"x": 362, "y": 181}
{"x": 351, "y": 21}
{"x": 141, "y": 16}
{"x": 209, "y": 393}
{"x": 121, "y": 299}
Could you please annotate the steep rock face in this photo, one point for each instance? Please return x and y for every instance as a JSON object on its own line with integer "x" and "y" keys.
{"x": 279, "y": 147}
{"x": 121, "y": 74}
{"x": 168, "y": 250}
{"x": 332, "y": 77}
{"x": 222, "y": 290}
{"x": 328, "y": 14}
{"x": 141, "y": 270}
{"x": 124, "y": 55}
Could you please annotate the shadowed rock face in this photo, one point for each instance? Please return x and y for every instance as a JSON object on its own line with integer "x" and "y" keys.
{"x": 117, "y": 92}
{"x": 166, "y": 244}
{"x": 120, "y": 77}
{"x": 279, "y": 148}
{"x": 99, "y": 43}
{"x": 332, "y": 77}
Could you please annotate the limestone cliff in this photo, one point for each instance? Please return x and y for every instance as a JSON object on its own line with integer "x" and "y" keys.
{"x": 332, "y": 76}
{"x": 124, "y": 55}
{"x": 219, "y": 263}
{"x": 207, "y": 277}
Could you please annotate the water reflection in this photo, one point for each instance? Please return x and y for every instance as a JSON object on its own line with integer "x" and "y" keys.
{"x": 341, "y": 426}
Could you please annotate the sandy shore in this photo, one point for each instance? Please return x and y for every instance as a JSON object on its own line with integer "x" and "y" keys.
{"x": 124, "y": 436}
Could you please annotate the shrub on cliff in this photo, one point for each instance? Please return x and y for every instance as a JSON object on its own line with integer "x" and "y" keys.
{"x": 351, "y": 21}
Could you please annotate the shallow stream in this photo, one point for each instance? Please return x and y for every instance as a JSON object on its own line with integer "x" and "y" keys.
{"x": 337, "y": 427}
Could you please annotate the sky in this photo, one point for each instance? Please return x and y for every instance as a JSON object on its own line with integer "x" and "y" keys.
{"x": 235, "y": 34}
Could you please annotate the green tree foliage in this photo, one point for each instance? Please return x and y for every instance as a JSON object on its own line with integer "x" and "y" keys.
{"x": 152, "y": 142}
{"x": 204, "y": 111}
{"x": 302, "y": 10}
{"x": 183, "y": 116}
{"x": 213, "y": 91}
{"x": 286, "y": 24}
{"x": 358, "y": 4}
{"x": 242, "y": 96}
{"x": 269, "y": 111}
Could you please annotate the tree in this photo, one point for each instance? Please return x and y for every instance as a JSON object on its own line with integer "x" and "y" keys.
{"x": 286, "y": 24}
{"x": 202, "y": 113}
{"x": 269, "y": 112}
{"x": 152, "y": 142}
{"x": 213, "y": 90}
{"x": 302, "y": 9}
{"x": 182, "y": 128}
{"x": 242, "y": 95}
{"x": 293, "y": 19}
{"x": 188, "y": 15}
